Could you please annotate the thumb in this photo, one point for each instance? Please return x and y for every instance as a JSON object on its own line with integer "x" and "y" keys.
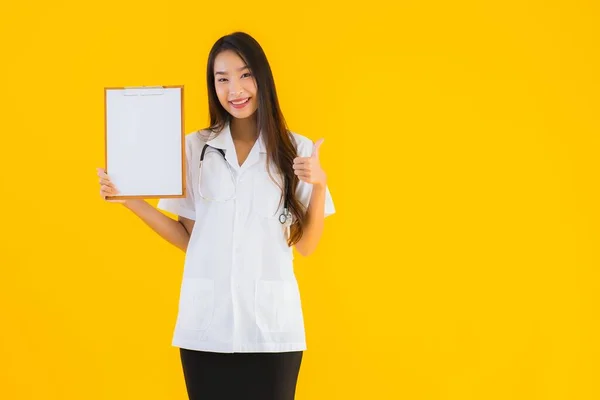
{"x": 316, "y": 146}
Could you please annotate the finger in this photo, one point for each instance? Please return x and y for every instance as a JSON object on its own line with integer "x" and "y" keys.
{"x": 301, "y": 166}
{"x": 109, "y": 190}
{"x": 316, "y": 147}
{"x": 301, "y": 160}
{"x": 105, "y": 181}
{"x": 303, "y": 174}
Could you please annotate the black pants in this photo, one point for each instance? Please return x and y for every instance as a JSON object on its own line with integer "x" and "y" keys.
{"x": 240, "y": 376}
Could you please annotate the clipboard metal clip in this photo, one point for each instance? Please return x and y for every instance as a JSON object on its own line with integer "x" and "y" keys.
{"x": 143, "y": 91}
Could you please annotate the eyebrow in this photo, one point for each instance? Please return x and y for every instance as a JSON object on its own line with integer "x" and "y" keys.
{"x": 225, "y": 73}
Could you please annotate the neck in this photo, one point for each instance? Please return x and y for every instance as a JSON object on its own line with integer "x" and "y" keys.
{"x": 244, "y": 129}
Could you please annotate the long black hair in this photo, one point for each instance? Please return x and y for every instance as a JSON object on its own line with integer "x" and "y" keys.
{"x": 279, "y": 141}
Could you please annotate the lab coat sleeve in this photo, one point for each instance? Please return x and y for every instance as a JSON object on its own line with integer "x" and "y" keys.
{"x": 304, "y": 191}
{"x": 183, "y": 206}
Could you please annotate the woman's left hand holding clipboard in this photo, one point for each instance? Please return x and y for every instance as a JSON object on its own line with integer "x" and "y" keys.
{"x": 107, "y": 188}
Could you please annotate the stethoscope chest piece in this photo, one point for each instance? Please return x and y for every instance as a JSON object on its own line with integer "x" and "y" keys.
{"x": 285, "y": 216}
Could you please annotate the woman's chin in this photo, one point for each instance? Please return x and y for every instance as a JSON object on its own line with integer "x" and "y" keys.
{"x": 241, "y": 114}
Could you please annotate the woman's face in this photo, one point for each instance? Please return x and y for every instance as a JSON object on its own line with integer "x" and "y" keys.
{"x": 235, "y": 85}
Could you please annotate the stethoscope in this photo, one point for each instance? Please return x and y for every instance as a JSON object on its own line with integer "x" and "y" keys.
{"x": 286, "y": 215}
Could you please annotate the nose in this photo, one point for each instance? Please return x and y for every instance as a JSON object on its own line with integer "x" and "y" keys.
{"x": 235, "y": 89}
{"x": 235, "y": 94}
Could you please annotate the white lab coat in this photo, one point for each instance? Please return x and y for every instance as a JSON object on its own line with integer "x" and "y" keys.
{"x": 238, "y": 292}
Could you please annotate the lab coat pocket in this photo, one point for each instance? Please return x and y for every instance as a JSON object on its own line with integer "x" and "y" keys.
{"x": 196, "y": 304}
{"x": 277, "y": 306}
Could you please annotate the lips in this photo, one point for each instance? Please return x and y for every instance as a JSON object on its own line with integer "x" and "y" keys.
{"x": 239, "y": 103}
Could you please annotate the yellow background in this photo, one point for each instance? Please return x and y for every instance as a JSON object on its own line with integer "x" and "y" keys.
{"x": 461, "y": 148}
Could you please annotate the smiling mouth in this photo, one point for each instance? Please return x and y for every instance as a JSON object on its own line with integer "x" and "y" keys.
{"x": 240, "y": 102}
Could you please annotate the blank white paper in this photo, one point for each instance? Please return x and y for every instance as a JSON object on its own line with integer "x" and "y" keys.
{"x": 144, "y": 141}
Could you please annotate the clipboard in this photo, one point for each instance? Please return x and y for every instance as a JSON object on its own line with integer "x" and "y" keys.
{"x": 144, "y": 136}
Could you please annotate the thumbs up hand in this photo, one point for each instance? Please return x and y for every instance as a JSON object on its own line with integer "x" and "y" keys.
{"x": 308, "y": 169}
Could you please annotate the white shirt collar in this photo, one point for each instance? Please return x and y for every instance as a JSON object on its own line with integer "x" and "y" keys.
{"x": 224, "y": 141}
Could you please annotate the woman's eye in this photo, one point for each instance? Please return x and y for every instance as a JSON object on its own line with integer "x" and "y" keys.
{"x": 246, "y": 75}
{"x": 222, "y": 79}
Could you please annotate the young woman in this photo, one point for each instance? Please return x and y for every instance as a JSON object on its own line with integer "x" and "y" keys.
{"x": 256, "y": 190}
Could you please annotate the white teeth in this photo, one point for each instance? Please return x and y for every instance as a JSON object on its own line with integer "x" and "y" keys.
{"x": 237, "y": 103}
